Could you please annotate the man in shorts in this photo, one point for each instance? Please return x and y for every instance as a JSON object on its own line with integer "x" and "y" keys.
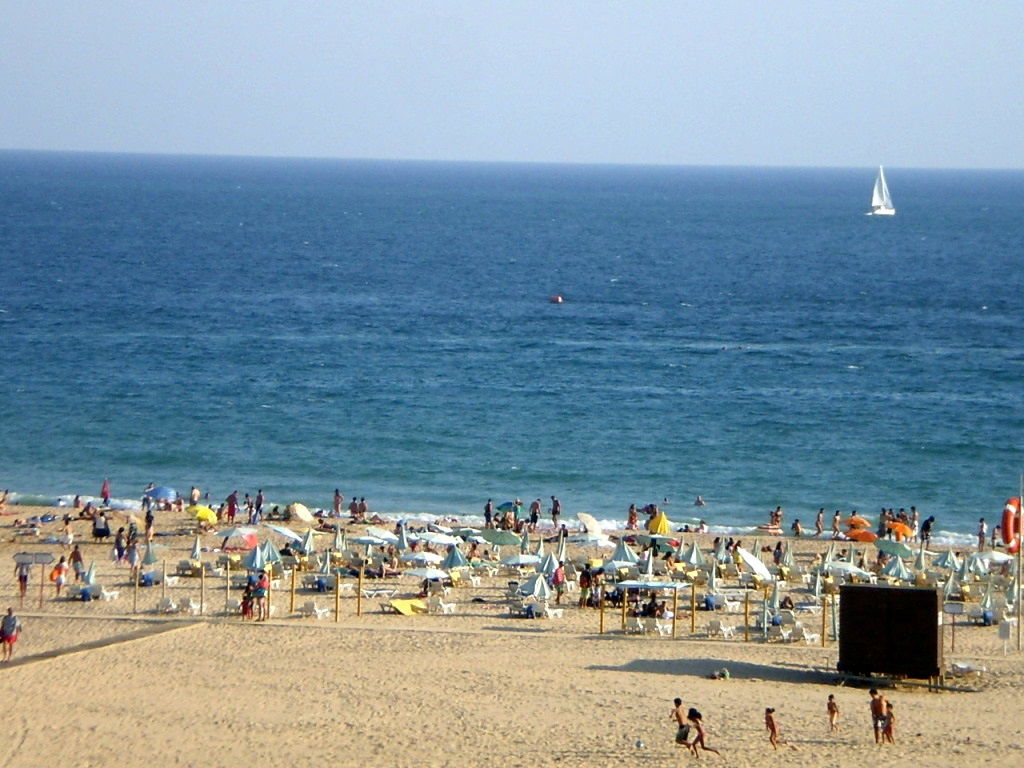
{"x": 10, "y": 628}
{"x": 878, "y": 703}
{"x": 585, "y": 581}
{"x": 22, "y": 570}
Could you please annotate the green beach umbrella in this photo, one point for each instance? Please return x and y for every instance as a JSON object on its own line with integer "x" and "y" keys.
{"x": 454, "y": 559}
{"x": 948, "y": 560}
{"x": 897, "y": 548}
{"x": 501, "y": 538}
{"x": 897, "y": 570}
{"x": 524, "y": 543}
{"x": 150, "y": 558}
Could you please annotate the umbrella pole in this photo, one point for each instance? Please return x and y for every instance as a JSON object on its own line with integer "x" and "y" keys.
{"x": 337, "y": 597}
{"x": 600, "y": 603}
{"x": 625, "y": 599}
{"x": 227, "y": 584}
{"x": 675, "y": 609}
{"x": 693, "y": 608}
{"x": 291, "y": 604}
{"x": 824, "y": 616}
{"x": 135, "y": 593}
{"x": 746, "y": 617}
{"x": 269, "y": 590}
{"x": 952, "y": 642}
{"x": 359, "y": 592}
{"x": 202, "y": 589}
{"x": 163, "y": 583}
{"x": 42, "y": 583}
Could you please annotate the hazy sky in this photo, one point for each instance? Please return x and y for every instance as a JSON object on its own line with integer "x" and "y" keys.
{"x": 936, "y": 84}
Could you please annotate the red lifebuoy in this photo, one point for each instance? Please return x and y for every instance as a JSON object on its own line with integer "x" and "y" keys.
{"x": 1010, "y": 527}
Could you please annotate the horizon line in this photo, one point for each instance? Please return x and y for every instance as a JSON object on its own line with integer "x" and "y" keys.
{"x": 453, "y": 161}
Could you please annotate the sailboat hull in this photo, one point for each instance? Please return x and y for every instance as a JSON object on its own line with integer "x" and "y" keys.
{"x": 882, "y": 212}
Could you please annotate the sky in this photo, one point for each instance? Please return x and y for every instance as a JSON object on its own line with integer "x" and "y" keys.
{"x": 905, "y": 84}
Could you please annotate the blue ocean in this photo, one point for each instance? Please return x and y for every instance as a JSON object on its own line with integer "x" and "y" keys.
{"x": 746, "y": 334}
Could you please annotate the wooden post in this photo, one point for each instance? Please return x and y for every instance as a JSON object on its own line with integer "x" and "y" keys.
{"x": 359, "y": 592}
{"x": 269, "y": 579}
{"x": 135, "y": 594}
{"x": 601, "y": 607}
{"x": 952, "y": 642}
{"x": 625, "y": 599}
{"x": 202, "y": 589}
{"x": 746, "y": 617}
{"x": 835, "y": 619}
{"x": 337, "y": 598}
{"x": 227, "y": 584}
{"x": 675, "y": 609}
{"x": 42, "y": 584}
{"x": 824, "y": 618}
{"x": 693, "y": 608}
{"x": 163, "y": 583}
{"x": 291, "y": 605}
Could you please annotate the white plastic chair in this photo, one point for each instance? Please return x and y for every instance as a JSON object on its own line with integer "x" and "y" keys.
{"x": 166, "y": 605}
{"x": 310, "y": 608}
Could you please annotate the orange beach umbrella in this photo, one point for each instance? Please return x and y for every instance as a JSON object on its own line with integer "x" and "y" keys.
{"x": 861, "y": 535}
{"x": 856, "y": 521}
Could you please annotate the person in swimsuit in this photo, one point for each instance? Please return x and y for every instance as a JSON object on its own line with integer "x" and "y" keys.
{"x": 889, "y": 729}
{"x": 773, "y": 730}
{"x": 878, "y": 708}
{"x": 833, "y": 713}
{"x": 260, "y": 595}
{"x": 59, "y": 574}
{"x": 556, "y": 511}
{"x": 683, "y": 729}
{"x": 698, "y": 733}
{"x": 22, "y": 570}
{"x": 10, "y": 628}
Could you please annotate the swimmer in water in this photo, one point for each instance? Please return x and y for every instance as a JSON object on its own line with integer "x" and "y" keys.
{"x": 699, "y": 502}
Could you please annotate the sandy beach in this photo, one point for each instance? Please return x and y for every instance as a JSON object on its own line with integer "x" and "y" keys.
{"x": 93, "y": 683}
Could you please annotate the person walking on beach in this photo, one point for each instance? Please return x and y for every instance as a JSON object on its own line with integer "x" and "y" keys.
{"x": 585, "y": 580}
{"x": 338, "y": 501}
{"x": 878, "y": 708}
{"x": 833, "y": 713}
{"x": 819, "y": 522}
{"x": 835, "y": 525}
{"x": 10, "y": 628}
{"x": 489, "y": 514}
{"x": 556, "y": 511}
{"x": 682, "y": 727}
{"x": 773, "y": 730}
{"x": 77, "y": 562}
{"x": 982, "y": 532}
{"x": 259, "y": 501}
{"x": 889, "y": 729}
{"x": 22, "y": 571}
{"x": 697, "y": 733}
{"x": 59, "y": 574}
{"x": 105, "y": 492}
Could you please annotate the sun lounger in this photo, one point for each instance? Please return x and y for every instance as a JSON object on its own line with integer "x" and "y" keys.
{"x": 188, "y": 606}
{"x": 777, "y": 634}
{"x": 799, "y": 633}
{"x": 717, "y": 629}
{"x": 633, "y": 626}
{"x": 310, "y": 608}
{"x": 553, "y": 613}
{"x": 408, "y": 607}
{"x": 166, "y": 605}
{"x": 436, "y": 605}
{"x": 232, "y": 607}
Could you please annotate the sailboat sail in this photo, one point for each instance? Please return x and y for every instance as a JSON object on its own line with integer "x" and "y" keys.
{"x": 881, "y": 201}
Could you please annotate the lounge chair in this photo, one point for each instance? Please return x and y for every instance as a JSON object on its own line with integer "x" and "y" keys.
{"x": 633, "y": 626}
{"x": 777, "y": 634}
{"x": 311, "y": 609}
{"x": 232, "y": 607}
{"x": 436, "y": 605}
{"x": 717, "y": 629}
{"x": 553, "y": 613}
{"x": 799, "y": 633}
{"x": 109, "y": 594}
{"x": 166, "y": 605}
{"x": 188, "y": 606}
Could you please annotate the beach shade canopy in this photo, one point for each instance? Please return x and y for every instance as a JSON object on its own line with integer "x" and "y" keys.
{"x": 402, "y": 545}
{"x": 895, "y": 569}
{"x": 203, "y": 514}
{"x": 900, "y": 530}
{"x": 624, "y": 554}
{"x": 694, "y": 557}
{"x": 897, "y": 548}
{"x": 754, "y": 564}
{"x": 288, "y": 533}
{"x": 548, "y": 564}
{"x": 197, "y": 551}
{"x": 841, "y": 566}
{"x": 340, "y": 540}
{"x": 537, "y": 586}
{"x": 859, "y": 534}
{"x": 426, "y": 573}
{"x": 722, "y": 554}
{"x": 590, "y": 524}
{"x": 521, "y": 560}
{"x": 950, "y": 586}
{"x": 659, "y": 524}
{"x": 856, "y": 521}
{"x": 309, "y": 541}
{"x": 524, "y": 542}
{"x": 948, "y": 560}
{"x": 501, "y": 538}
{"x": 440, "y": 539}
{"x": 454, "y": 559}
{"x": 255, "y": 560}
{"x": 90, "y": 575}
{"x": 300, "y": 512}
{"x": 421, "y": 558}
{"x": 162, "y": 493}
{"x": 150, "y": 558}
{"x": 992, "y": 556}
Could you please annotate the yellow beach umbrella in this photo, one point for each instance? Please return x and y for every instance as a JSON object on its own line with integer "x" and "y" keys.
{"x": 659, "y": 524}
{"x": 203, "y": 514}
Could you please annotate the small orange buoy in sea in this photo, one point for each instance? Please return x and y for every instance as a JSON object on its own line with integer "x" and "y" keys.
{"x": 556, "y": 299}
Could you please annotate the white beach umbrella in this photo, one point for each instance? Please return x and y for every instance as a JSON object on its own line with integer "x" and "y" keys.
{"x": 693, "y": 557}
{"x": 454, "y": 559}
{"x": 309, "y": 541}
{"x": 197, "y": 551}
{"x": 521, "y": 561}
{"x": 841, "y": 566}
{"x": 986, "y": 600}
{"x": 383, "y": 535}
{"x": 90, "y": 575}
{"x": 537, "y": 585}
{"x": 539, "y": 549}
{"x": 270, "y": 552}
{"x": 524, "y": 542}
{"x": 340, "y": 540}
{"x": 754, "y": 564}
{"x": 624, "y": 554}
{"x": 721, "y": 553}
{"x": 977, "y": 566}
{"x": 402, "y": 545}
{"x": 921, "y": 561}
{"x": 787, "y": 557}
{"x": 992, "y": 556}
{"x": 426, "y": 573}
{"x": 830, "y": 553}
{"x": 288, "y": 533}
{"x": 560, "y": 555}
{"x": 713, "y": 579}
{"x": 548, "y": 564}
{"x": 150, "y": 558}
{"x": 947, "y": 559}
{"x": 440, "y": 539}
{"x": 950, "y": 587}
{"x": 818, "y": 587}
{"x": 649, "y": 564}
{"x": 430, "y": 558}
{"x": 775, "y": 599}
{"x": 897, "y": 570}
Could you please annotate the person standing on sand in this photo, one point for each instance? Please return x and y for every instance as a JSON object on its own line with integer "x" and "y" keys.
{"x": 534, "y": 514}
{"x": 77, "y": 562}
{"x": 194, "y": 495}
{"x": 926, "y": 529}
{"x": 22, "y": 570}
{"x": 773, "y": 730}
{"x": 59, "y": 575}
{"x": 585, "y": 580}
{"x": 833, "y": 713}
{"x": 558, "y": 582}
{"x": 835, "y": 525}
{"x": 889, "y": 729}
{"x": 819, "y": 522}
{"x": 982, "y": 532}
{"x": 489, "y": 514}
{"x": 260, "y": 594}
{"x": 260, "y": 499}
{"x": 338, "y": 501}
{"x": 556, "y": 511}
{"x": 10, "y": 628}
{"x": 232, "y": 502}
{"x": 878, "y": 708}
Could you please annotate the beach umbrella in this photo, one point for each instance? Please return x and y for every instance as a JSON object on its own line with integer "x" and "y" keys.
{"x": 426, "y": 573}
{"x": 765, "y": 618}
{"x": 775, "y": 598}
{"x": 787, "y": 557}
{"x": 856, "y": 521}
{"x": 920, "y": 563}
{"x": 713, "y": 579}
{"x": 340, "y": 540}
{"x": 382, "y": 534}
{"x": 539, "y": 549}
{"x": 897, "y": 548}
{"x": 163, "y": 493}
{"x": 721, "y": 553}
{"x": 248, "y": 535}
{"x": 897, "y": 570}
{"x": 977, "y": 566}
{"x": 521, "y": 560}
{"x": 440, "y": 539}
{"x": 505, "y": 506}
{"x": 455, "y": 559}
{"x": 203, "y": 514}
{"x": 500, "y": 538}
{"x": 271, "y": 552}
{"x": 288, "y": 533}
{"x": 402, "y": 545}
{"x": 901, "y": 530}
{"x": 309, "y": 541}
{"x": 90, "y": 575}
{"x": 255, "y": 560}
{"x": 992, "y": 556}
{"x": 693, "y": 557}
{"x": 851, "y": 554}
{"x": 950, "y": 587}
{"x": 754, "y": 564}
{"x": 428, "y": 558}
{"x": 1011, "y": 590}
{"x": 465, "y": 533}
{"x": 592, "y": 540}
{"x": 438, "y": 528}
{"x": 548, "y": 564}
{"x": 537, "y": 586}
{"x": 841, "y": 566}
{"x": 590, "y": 524}
{"x": 560, "y": 555}
{"x": 300, "y": 512}
{"x": 947, "y": 559}
{"x": 818, "y": 587}
{"x": 861, "y": 535}
{"x": 986, "y": 601}
{"x": 150, "y": 558}
{"x": 368, "y": 541}
{"x": 624, "y": 554}
{"x": 964, "y": 571}
{"x": 324, "y": 566}
{"x": 659, "y": 524}
{"x": 524, "y": 542}
{"x": 648, "y": 571}
{"x": 197, "y": 551}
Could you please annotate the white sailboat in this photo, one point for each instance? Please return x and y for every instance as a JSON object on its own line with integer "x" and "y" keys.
{"x": 881, "y": 201}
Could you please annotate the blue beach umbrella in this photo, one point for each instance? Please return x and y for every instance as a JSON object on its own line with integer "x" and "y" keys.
{"x": 624, "y": 554}
{"x": 454, "y": 559}
{"x": 255, "y": 560}
{"x": 288, "y": 533}
{"x": 90, "y": 575}
{"x": 524, "y": 543}
{"x": 162, "y": 493}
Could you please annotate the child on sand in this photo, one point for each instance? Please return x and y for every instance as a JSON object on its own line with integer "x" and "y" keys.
{"x": 773, "y": 729}
{"x": 833, "y": 713}
{"x": 683, "y": 731}
{"x": 889, "y": 731}
{"x": 697, "y": 733}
